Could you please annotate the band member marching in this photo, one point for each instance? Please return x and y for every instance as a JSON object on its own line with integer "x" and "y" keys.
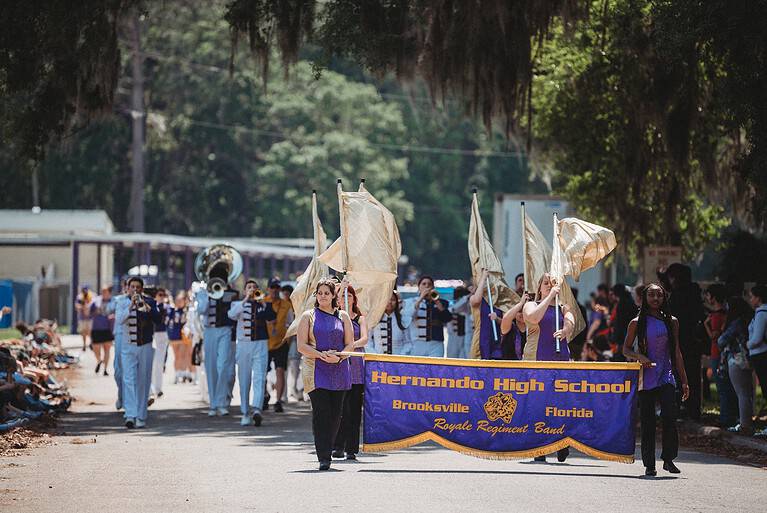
{"x": 389, "y": 335}
{"x": 348, "y": 436}
{"x": 179, "y": 341}
{"x": 139, "y": 315}
{"x": 322, "y": 331}
{"x": 218, "y": 348}
{"x": 540, "y": 321}
{"x": 160, "y": 343}
{"x": 657, "y": 336}
{"x": 459, "y": 332}
{"x": 426, "y": 316}
{"x": 252, "y": 315}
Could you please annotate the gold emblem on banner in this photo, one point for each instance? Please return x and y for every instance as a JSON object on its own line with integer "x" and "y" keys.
{"x": 500, "y": 406}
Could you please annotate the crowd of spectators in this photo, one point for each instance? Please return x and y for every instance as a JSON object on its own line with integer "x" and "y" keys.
{"x": 28, "y": 388}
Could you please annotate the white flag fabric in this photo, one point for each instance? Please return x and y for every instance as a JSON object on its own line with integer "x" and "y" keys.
{"x": 538, "y": 262}
{"x": 302, "y": 297}
{"x": 579, "y": 246}
{"x": 368, "y": 250}
{"x": 482, "y": 256}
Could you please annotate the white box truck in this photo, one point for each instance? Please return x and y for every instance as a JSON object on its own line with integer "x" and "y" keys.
{"x": 507, "y": 236}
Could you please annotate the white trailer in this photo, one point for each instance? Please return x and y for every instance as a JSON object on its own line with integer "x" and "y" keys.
{"x": 507, "y": 236}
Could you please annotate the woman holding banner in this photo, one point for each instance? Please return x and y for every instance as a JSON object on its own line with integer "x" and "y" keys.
{"x": 540, "y": 320}
{"x": 657, "y": 342}
{"x": 322, "y": 332}
{"x": 348, "y": 437}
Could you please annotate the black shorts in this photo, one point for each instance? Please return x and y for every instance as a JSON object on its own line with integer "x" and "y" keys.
{"x": 279, "y": 356}
{"x": 101, "y": 336}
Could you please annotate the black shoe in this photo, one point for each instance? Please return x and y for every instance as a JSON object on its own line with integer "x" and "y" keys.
{"x": 325, "y": 465}
{"x": 338, "y": 454}
{"x": 278, "y": 407}
{"x": 105, "y": 372}
{"x": 650, "y": 471}
{"x": 562, "y": 454}
{"x": 130, "y": 423}
{"x": 160, "y": 394}
{"x": 540, "y": 458}
{"x": 351, "y": 456}
{"x": 257, "y": 419}
{"x": 669, "y": 466}
{"x": 265, "y": 406}
{"x": 98, "y": 367}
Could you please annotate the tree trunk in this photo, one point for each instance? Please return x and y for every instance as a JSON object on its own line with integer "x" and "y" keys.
{"x": 138, "y": 117}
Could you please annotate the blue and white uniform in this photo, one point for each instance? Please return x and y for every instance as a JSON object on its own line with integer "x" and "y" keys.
{"x": 252, "y": 350}
{"x": 121, "y": 335}
{"x": 218, "y": 345}
{"x": 137, "y": 353}
{"x": 160, "y": 348}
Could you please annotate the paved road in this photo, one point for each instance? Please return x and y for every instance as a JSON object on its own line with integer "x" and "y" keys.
{"x": 185, "y": 461}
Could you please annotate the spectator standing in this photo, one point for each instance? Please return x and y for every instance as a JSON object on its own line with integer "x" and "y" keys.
{"x": 101, "y": 328}
{"x": 757, "y": 338}
{"x": 278, "y": 346}
{"x": 732, "y": 343}
{"x": 83, "y": 308}
{"x": 685, "y": 303}
{"x": 714, "y": 324}
{"x": 624, "y": 309}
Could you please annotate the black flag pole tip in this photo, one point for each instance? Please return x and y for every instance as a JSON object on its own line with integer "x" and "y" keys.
{"x": 362, "y": 180}
{"x": 338, "y": 181}
{"x": 314, "y": 191}
{"x": 522, "y": 202}
{"x": 474, "y": 190}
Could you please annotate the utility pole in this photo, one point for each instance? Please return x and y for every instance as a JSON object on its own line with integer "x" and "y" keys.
{"x": 138, "y": 122}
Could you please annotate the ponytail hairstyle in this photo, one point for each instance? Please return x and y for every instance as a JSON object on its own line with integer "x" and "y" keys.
{"x": 329, "y": 283}
{"x": 644, "y": 310}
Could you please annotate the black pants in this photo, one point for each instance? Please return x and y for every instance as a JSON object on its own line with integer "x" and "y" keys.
{"x": 348, "y": 437}
{"x": 327, "y": 406}
{"x": 692, "y": 368}
{"x": 759, "y": 363}
{"x": 666, "y": 395}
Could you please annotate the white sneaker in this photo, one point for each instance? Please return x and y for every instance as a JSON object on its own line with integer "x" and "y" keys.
{"x": 140, "y": 423}
{"x": 246, "y": 420}
{"x": 212, "y": 412}
{"x": 222, "y": 412}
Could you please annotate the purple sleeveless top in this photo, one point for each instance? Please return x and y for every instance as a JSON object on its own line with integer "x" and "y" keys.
{"x": 329, "y": 334}
{"x": 547, "y": 345}
{"x": 357, "y": 363}
{"x": 658, "y": 352}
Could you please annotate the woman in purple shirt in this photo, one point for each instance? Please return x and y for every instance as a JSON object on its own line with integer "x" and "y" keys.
{"x": 540, "y": 321}
{"x": 657, "y": 334}
{"x": 322, "y": 332}
{"x": 348, "y": 437}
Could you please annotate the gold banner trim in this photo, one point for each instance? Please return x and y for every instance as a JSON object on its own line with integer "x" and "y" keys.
{"x": 504, "y": 364}
{"x": 500, "y": 455}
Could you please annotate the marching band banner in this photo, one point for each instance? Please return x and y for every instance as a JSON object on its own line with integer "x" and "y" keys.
{"x": 500, "y": 409}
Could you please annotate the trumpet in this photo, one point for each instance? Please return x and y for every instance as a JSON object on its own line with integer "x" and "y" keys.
{"x": 257, "y": 295}
{"x": 138, "y": 300}
{"x": 433, "y": 295}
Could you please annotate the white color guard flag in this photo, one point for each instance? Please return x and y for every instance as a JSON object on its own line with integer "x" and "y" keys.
{"x": 368, "y": 250}
{"x": 538, "y": 262}
{"x": 578, "y": 246}
{"x": 302, "y": 297}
